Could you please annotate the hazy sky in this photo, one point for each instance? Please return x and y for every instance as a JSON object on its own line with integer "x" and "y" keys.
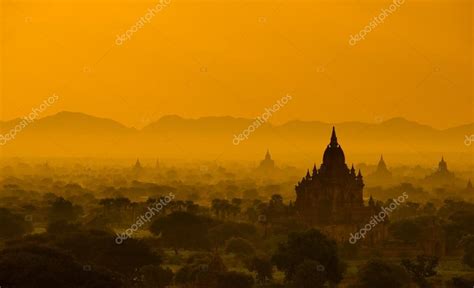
{"x": 212, "y": 58}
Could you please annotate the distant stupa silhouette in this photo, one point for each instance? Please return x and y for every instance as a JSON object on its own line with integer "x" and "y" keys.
{"x": 442, "y": 176}
{"x": 382, "y": 172}
{"x": 267, "y": 164}
{"x": 442, "y": 166}
{"x": 138, "y": 165}
{"x": 381, "y": 165}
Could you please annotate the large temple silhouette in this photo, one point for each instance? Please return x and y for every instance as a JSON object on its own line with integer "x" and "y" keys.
{"x": 332, "y": 197}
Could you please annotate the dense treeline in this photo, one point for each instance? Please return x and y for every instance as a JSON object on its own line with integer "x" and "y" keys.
{"x": 225, "y": 233}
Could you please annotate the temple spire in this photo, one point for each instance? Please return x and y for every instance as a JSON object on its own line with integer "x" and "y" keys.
{"x": 381, "y": 166}
{"x": 442, "y": 166}
{"x": 333, "y": 137}
{"x": 268, "y": 156}
{"x": 138, "y": 165}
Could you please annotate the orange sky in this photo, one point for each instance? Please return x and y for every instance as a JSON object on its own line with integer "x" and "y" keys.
{"x": 201, "y": 58}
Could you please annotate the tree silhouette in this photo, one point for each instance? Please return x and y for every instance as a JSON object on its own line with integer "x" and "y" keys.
{"x": 468, "y": 243}
{"x": 423, "y": 267}
{"x": 240, "y": 247}
{"x": 377, "y": 273}
{"x": 262, "y": 266}
{"x": 33, "y": 266}
{"x": 181, "y": 230}
{"x": 310, "y": 245}
{"x": 62, "y": 209}
{"x": 12, "y": 225}
{"x": 233, "y": 279}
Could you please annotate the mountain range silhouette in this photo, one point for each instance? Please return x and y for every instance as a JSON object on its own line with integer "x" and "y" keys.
{"x": 81, "y": 135}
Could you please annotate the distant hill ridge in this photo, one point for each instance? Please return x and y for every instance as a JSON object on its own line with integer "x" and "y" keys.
{"x": 79, "y": 134}
{"x": 82, "y": 119}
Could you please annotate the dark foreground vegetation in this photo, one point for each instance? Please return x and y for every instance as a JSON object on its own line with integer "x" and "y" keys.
{"x": 65, "y": 235}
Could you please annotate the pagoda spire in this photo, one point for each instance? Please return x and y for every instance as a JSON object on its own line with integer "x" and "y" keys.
{"x": 334, "y": 137}
{"x": 315, "y": 170}
{"x": 268, "y": 156}
{"x": 381, "y": 165}
{"x": 138, "y": 165}
{"x": 442, "y": 166}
